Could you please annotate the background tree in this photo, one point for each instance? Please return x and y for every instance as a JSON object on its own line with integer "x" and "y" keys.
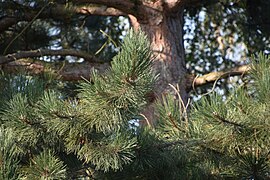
{"x": 224, "y": 34}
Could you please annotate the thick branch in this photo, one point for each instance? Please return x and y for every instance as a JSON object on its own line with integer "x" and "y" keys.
{"x": 56, "y": 12}
{"x": 47, "y": 52}
{"x": 214, "y": 76}
{"x": 126, "y": 6}
{"x": 66, "y": 71}
{"x": 100, "y": 11}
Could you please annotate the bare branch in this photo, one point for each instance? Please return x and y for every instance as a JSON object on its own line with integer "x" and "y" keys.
{"x": 67, "y": 72}
{"x": 47, "y": 52}
{"x": 214, "y": 76}
{"x": 100, "y": 10}
{"x": 56, "y": 12}
{"x": 125, "y": 6}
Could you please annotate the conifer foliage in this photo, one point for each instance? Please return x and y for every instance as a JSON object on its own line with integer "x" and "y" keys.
{"x": 45, "y": 134}
{"x": 237, "y": 128}
{"x": 93, "y": 129}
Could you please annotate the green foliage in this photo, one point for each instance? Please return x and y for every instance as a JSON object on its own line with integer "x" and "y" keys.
{"x": 31, "y": 87}
{"x": 45, "y": 134}
{"x": 9, "y": 162}
{"x": 261, "y": 76}
{"x": 238, "y": 127}
{"x": 112, "y": 101}
{"x": 120, "y": 94}
{"x": 45, "y": 166}
{"x": 92, "y": 128}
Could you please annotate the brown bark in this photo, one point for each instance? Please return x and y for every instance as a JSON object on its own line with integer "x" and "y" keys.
{"x": 162, "y": 21}
{"x": 77, "y": 71}
{"x": 65, "y": 71}
{"x": 214, "y": 76}
{"x": 56, "y": 12}
{"x": 164, "y": 30}
{"x": 163, "y": 24}
{"x": 47, "y": 52}
{"x": 126, "y": 6}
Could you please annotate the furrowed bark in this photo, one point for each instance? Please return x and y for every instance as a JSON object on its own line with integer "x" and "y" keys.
{"x": 163, "y": 24}
{"x": 165, "y": 32}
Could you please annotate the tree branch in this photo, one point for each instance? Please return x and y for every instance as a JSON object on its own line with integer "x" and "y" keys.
{"x": 56, "y": 12}
{"x": 66, "y": 71}
{"x": 214, "y": 76}
{"x": 100, "y": 11}
{"x": 126, "y": 6}
{"x": 225, "y": 121}
{"x": 47, "y": 52}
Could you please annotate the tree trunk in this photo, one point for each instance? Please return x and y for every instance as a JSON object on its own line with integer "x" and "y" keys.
{"x": 165, "y": 32}
{"x": 162, "y": 21}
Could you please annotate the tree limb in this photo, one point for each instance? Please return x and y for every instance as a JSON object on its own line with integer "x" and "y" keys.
{"x": 66, "y": 71}
{"x": 100, "y": 11}
{"x": 47, "y": 52}
{"x": 214, "y": 76}
{"x": 126, "y": 6}
{"x": 56, "y": 12}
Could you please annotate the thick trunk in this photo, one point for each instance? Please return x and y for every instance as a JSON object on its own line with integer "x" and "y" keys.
{"x": 165, "y": 32}
{"x": 166, "y": 37}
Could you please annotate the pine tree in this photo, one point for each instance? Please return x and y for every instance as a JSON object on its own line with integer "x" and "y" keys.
{"x": 236, "y": 129}
{"x": 55, "y": 135}
{"x": 45, "y": 134}
{"x": 223, "y": 137}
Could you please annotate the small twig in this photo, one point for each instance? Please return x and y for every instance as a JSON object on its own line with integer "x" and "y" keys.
{"x": 181, "y": 100}
{"x": 146, "y": 119}
{"x": 213, "y": 87}
{"x": 24, "y": 29}
{"x": 63, "y": 116}
{"x": 181, "y": 142}
{"x": 193, "y": 84}
{"x": 106, "y": 43}
{"x": 218, "y": 117}
{"x": 173, "y": 122}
